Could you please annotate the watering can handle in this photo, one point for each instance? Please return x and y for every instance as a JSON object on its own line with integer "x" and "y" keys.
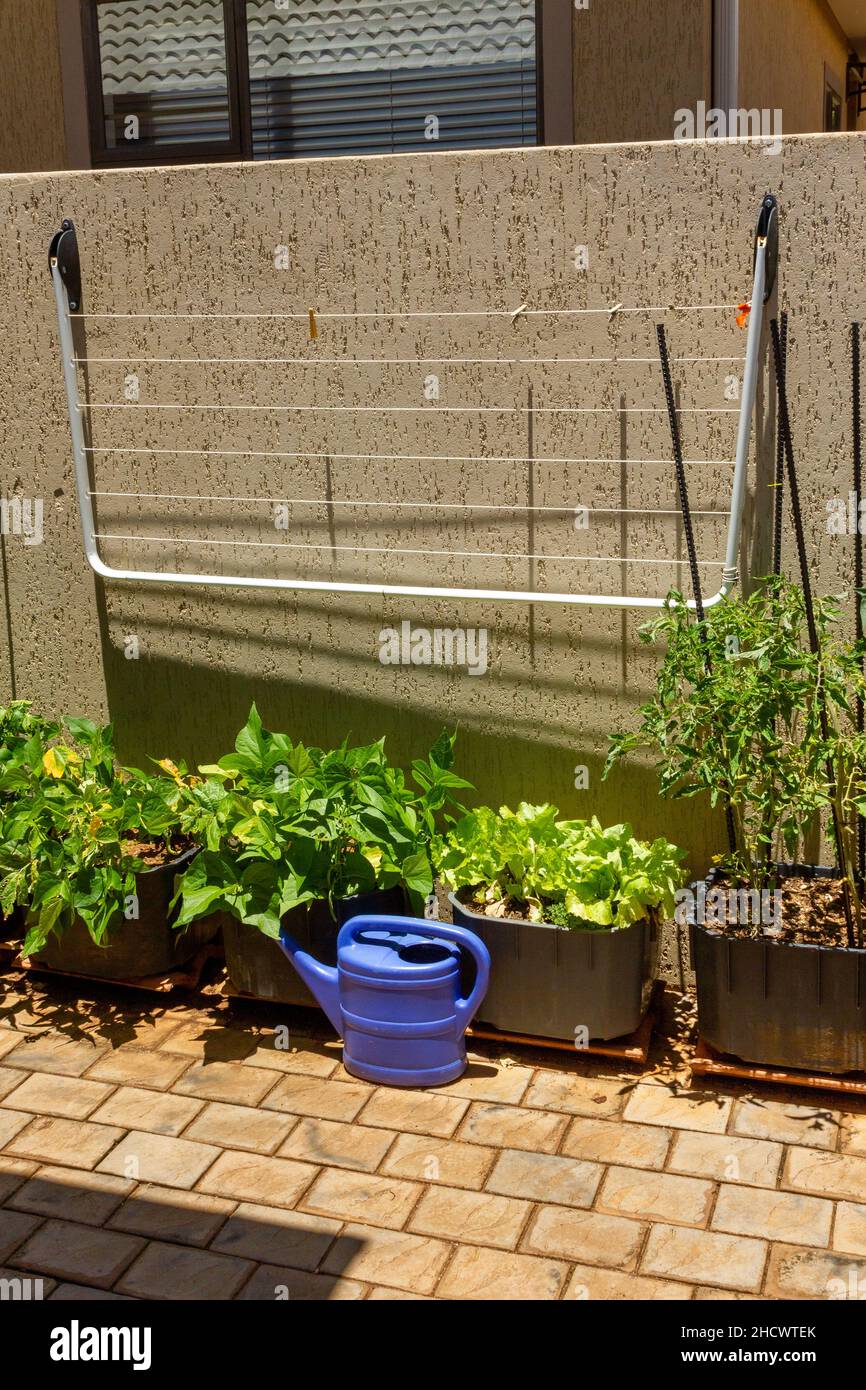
{"x": 420, "y": 927}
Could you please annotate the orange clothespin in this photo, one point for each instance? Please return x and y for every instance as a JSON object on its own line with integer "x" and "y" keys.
{"x": 314, "y": 327}
{"x": 743, "y": 314}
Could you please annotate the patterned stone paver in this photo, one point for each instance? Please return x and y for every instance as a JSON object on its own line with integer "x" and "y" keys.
{"x": 168, "y": 1150}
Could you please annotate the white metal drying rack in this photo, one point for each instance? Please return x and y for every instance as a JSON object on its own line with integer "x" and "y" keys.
{"x": 66, "y": 274}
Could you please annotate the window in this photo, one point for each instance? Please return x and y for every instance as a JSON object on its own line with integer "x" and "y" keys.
{"x": 170, "y": 80}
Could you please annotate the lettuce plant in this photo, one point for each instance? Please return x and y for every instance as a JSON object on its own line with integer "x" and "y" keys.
{"x": 283, "y": 825}
{"x": 72, "y": 825}
{"x": 571, "y": 873}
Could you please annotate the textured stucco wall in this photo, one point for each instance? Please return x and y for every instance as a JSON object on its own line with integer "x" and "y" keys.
{"x": 635, "y": 64}
{"x": 784, "y": 46}
{"x": 664, "y": 224}
{"x": 31, "y": 103}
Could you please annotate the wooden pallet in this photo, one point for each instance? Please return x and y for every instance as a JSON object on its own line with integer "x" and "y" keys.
{"x": 186, "y": 977}
{"x": 708, "y": 1062}
{"x": 632, "y": 1048}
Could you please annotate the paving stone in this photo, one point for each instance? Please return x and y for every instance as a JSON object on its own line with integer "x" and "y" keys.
{"x": 10, "y": 1077}
{"x": 849, "y": 1232}
{"x": 813, "y": 1126}
{"x": 577, "y": 1094}
{"x": 396, "y": 1296}
{"x": 415, "y": 1112}
{"x": 480, "y": 1274}
{"x": 209, "y": 1040}
{"x": 826, "y": 1174}
{"x": 139, "y": 1066}
{"x": 11, "y": 1123}
{"x": 656, "y": 1196}
{"x": 179, "y": 1272}
{"x": 614, "y": 1141}
{"x": 15, "y": 1226}
{"x": 9, "y": 1039}
{"x": 324, "y": 1099}
{"x": 275, "y": 1237}
{"x": 225, "y": 1081}
{"x": 54, "y": 1053}
{"x": 589, "y": 1237}
{"x": 483, "y": 1080}
{"x": 705, "y": 1295}
{"x": 853, "y": 1134}
{"x": 270, "y": 1282}
{"x": 703, "y": 1257}
{"x": 241, "y": 1127}
{"x": 64, "y": 1192}
{"x": 168, "y": 1213}
{"x": 725, "y": 1158}
{"x": 308, "y": 1058}
{"x": 794, "y": 1272}
{"x": 362, "y": 1197}
{"x": 150, "y": 1028}
{"x": 455, "y": 1214}
{"x": 80, "y": 1254}
{"x": 785, "y": 1216}
{"x": 160, "y": 1159}
{"x": 513, "y": 1127}
{"x": 75, "y": 1143}
{"x": 609, "y": 1285}
{"x": 545, "y": 1178}
{"x": 154, "y": 1111}
{"x": 338, "y": 1145}
{"x": 256, "y": 1178}
{"x": 678, "y": 1109}
{"x": 13, "y": 1172}
{"x": 80, "y": 1293}
{"x": 44, "y": 1094}
{"x": 425, "y": 1159}
{"x": 392, "y": 1258}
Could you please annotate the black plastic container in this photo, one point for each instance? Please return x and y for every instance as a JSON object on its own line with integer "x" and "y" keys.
{"x": 548, "y": 982}
{"x": 257, "y": 964}
{"x": 147, "y": 945}
{"x": 777, "y": 1002}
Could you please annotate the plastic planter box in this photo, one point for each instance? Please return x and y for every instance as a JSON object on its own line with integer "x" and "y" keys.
{"x": 548, "y": 982}
{"x": 147, "y": 945}
{"x": 777, "y": 1002}
{"x": 257, "y": 964}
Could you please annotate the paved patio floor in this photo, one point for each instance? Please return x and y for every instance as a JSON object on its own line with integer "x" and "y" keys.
{"x": 164, "y": 1150}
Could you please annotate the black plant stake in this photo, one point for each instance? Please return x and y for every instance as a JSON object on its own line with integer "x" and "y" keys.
{"x": 779, "y": 492}
{"x": 814, "y": 644}
{"x": 688, "y": 530}
{"x": 858, "y": 577}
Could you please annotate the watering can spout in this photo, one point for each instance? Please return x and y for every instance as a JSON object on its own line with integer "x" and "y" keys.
{"x": 321, "y": 980}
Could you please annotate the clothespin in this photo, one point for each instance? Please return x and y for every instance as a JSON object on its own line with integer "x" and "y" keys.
{"x": 614, "y": 309}
{"x": 314, "y": 327}
{"x": 515, "y": 313}
{"x": 743, "y": 314}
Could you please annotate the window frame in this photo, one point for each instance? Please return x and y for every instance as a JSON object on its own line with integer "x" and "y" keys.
{"x": 204, "y": 151}
{"x": 240, "y": 144}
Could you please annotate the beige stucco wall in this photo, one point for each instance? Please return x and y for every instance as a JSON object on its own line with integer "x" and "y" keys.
{"x": 635, "y": 64}
{"x": 31, "y": 105}
{"x": 784, "y": 47}
{"x": 664, "y": 224}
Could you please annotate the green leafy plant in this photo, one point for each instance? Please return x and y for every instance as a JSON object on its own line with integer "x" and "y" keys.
{"x": 571, "y": 873}
{"x": 283, "y": 825}
{"x": 73, "y": 829}
{"x": 737, "y": 716}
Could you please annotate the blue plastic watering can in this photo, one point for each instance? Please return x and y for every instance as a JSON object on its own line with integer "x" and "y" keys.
{"x": 395, "y": 997}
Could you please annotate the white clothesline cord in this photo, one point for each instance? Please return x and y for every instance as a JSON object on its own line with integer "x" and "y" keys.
{"x": 394, "y": 550}
{"x": 413, "y": 505}
{"x": 422, "y": 409}
{"x": 391, "y": 458}
{"x": 612, "y": 311}
{"x": 385, "y": 361}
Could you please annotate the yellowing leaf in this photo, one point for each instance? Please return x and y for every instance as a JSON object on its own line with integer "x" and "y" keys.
{"x": 171, "y": 768}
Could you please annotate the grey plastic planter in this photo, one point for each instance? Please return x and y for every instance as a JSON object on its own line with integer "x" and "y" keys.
{"x": 779, "y": 1003}
{"x": 149, "y": 945}
{"x": 258, "y": 966}
{"x": 547, "y": 981}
